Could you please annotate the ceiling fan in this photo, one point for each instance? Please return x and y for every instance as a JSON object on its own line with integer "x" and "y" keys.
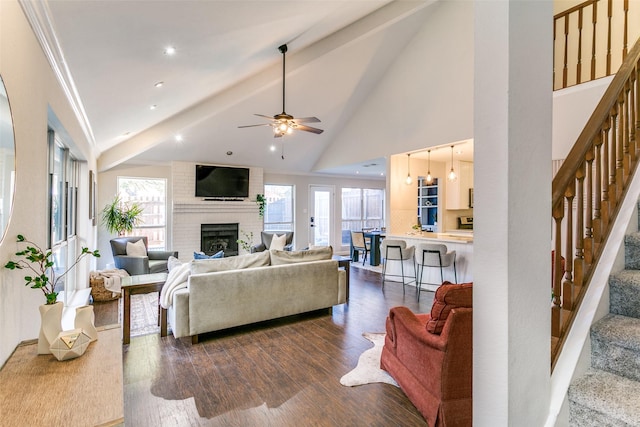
{"x": 283, "y": 123}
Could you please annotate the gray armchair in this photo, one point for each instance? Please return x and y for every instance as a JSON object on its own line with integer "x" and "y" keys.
{"x": 266, "y": 237}
{"x": 154, "y": 262}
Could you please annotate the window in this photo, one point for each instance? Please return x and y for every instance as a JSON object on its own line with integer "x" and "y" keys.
{"x": 361, "y": 208}
{"x": 64, "y": 180}
{"x": 151, "y": 195}
{"x": 278, "y": 212}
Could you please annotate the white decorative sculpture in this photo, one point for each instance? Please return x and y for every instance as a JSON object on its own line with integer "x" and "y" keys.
{"x": 85, "y": 319}
{"x": 50, "y": 325}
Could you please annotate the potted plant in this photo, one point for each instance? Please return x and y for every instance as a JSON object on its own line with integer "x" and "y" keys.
{"x": 261, "y": 202}
{"x": 119, "y": 217}
{"x": 43, "y": 276}
{"x": 246, "y": 244}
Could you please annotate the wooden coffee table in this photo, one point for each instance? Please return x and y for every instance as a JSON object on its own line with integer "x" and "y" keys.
{"x": 141, "y": 284}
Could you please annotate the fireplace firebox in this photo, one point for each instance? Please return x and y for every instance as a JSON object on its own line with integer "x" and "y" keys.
{"x": 219, "y": 237}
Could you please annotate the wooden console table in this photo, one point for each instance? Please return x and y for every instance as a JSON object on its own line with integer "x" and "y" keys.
{"x": 141, "y": 284}
{"x": 344, "y": 262}
{"x": 37, "y": 390}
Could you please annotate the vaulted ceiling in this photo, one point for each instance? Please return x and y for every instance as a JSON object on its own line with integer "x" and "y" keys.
{"x": 225, "y": 69}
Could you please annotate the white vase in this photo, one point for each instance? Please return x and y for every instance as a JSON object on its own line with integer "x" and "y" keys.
{"x": 50, "y": 325}
{"x": 85, "y": 319}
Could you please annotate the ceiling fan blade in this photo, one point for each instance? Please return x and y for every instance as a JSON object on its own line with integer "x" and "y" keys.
{"x": 307, "y": 120}
{"x": 251, "y": 126}
{"x": 262, "y": 115}
{"x": 309, "y": 129}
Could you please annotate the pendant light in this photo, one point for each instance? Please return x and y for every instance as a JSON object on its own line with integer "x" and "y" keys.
{"x": 429, "y": 177}
{"x": 452, "y": 174}
{"x": 408, "y": 180}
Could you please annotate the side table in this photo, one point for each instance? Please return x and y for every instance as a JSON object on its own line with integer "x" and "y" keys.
{"x": 344, "y": 262}
{"x": 141, "y": 284}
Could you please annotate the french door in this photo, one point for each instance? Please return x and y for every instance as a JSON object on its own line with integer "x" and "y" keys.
{"x": 321, "y": 199}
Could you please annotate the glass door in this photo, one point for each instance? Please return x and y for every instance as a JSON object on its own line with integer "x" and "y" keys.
{"x": 320, "y": 215}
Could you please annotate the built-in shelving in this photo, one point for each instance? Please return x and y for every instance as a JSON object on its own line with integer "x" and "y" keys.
{"x": 428, "y": 202}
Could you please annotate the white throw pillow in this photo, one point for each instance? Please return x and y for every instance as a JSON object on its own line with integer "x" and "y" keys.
{"x": 278, "y": 242}
{"x": 173, "y": 262}
{"x": 136, "y": 249}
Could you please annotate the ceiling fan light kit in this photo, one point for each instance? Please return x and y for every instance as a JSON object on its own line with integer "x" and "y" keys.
{"x": 283, "y": 123}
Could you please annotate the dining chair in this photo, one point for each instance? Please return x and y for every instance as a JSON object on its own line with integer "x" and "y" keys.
{"x": 397, "y": 250}
{"x": 360, "y": 244}
{"x": 434, "y": 255}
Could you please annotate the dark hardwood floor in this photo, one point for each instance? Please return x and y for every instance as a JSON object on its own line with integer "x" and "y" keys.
{"x": 278, "y": 373}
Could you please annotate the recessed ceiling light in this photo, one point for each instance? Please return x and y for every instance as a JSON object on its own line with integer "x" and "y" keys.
{"x": 179, "y": 138}
{"x": 153, "y": 107}
{"x": 272, "y": 148}
{"x": 170, "y": 50}
{"x": 229, "y": 153}
{"x": 159, "y": 84}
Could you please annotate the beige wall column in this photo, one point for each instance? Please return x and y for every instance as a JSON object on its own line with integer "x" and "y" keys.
{"x": 512, "y": 226}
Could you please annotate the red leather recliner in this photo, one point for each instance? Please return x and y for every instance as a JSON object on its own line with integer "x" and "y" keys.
{"x": 434, "y": 369}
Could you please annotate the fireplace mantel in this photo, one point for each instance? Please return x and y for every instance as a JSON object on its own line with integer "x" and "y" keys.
{"x": 215, "y": 206}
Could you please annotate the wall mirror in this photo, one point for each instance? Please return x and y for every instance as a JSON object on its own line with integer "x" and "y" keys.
{"x": 7, "y": 160}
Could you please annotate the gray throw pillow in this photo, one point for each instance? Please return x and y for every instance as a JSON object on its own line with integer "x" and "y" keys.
{"x": 286, "y": 257}
{"x": 258, "y": 259}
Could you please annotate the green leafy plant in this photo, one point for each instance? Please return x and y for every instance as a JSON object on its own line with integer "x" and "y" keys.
{"x": 246, "y": 244}
{"x": 39, "y": 262}
{"x": 119, "y": 217}
{"x": 261, "y": 202}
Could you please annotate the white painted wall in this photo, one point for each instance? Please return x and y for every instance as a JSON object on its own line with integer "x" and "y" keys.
{"x": 419, "y": 102}
{"x": 512, "y": 140}
{"x": 572, "y": 107}
{"x": 32, "y": 88}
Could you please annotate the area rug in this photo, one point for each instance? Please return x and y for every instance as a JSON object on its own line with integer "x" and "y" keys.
{"x": 368, "y": 369}
{"x": 144, "y": 314}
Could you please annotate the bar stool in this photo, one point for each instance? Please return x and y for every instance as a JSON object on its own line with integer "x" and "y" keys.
{"x": 397, "y": 250}
{"x": 434, "y": 255}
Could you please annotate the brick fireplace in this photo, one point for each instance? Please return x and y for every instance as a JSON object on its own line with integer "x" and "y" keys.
{"x": 190, "y": 213}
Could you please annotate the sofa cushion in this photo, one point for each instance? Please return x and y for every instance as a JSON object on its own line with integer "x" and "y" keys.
{"x": 136, "y": 249}
{"x": 448, "y": 296}
{"x": 278, "y": 242}
{"x": 258, "y": 259}
{"x": 292, "y": 257}
{"x": 202, "y": 255}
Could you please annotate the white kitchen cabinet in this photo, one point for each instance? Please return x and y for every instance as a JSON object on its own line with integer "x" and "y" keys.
{"x": 457, "y": 192}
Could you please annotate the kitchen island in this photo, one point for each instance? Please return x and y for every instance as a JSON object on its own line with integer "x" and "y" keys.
{"x": 459, "y": 241}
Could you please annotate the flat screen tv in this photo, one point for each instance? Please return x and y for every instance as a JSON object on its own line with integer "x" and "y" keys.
{"x": 222, "y": 181}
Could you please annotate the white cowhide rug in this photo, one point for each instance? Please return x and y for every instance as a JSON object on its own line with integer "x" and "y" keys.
{"x": 368, "y": 369}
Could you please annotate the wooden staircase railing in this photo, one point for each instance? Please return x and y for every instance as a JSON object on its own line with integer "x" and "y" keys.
{"x": 588, "y": 190}
{"x": 595, "y": 32}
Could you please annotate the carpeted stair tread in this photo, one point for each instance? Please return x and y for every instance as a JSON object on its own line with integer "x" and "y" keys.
{"x": 624, "y": 293}
{"x": 632, "y": 251}
{"x": 619, "y": 330}
{"x": 600, "y": 398}
{"x": 615, "y": 345}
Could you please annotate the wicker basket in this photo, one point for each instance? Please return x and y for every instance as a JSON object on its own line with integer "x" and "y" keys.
{"x": 98, "y": 290}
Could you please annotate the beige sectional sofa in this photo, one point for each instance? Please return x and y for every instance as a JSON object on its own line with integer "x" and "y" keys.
{"x": 217, "y": 294}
